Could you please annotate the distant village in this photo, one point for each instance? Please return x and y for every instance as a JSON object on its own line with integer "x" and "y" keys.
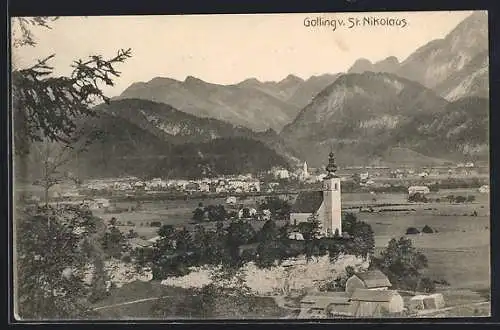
{"x": 275, "y": 180}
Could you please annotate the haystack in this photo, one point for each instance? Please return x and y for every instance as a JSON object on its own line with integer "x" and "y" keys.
{"x": 416, "y": 303}
{"x": 434, "y": 301}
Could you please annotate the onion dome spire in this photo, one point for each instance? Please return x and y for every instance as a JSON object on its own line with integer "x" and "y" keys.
{"x": 331, "y": 168}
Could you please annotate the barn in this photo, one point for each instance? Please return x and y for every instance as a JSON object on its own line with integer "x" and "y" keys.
{"x": 372, "y": 280}
{"x": 375, "y": 303}
{"x": 324, "y": 305}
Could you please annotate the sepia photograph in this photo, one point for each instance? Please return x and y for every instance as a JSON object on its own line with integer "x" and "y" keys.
{"x": 289, "y": 166}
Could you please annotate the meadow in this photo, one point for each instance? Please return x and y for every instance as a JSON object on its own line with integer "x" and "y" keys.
{"x": 458, "y": 251}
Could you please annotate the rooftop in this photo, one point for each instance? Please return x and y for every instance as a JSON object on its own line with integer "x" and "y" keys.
{"x": 324, "y": 299}
{"x": 373, "y": 295}
{"x": 308, "y": 202}
{"x": 374, "y": 279}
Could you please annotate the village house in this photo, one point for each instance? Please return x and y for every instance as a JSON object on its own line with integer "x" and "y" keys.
{"x": 204, "y": 186}
{"x": 364, "y": 176}
{"x": 418, "y": 189}
{"x": 484, "y": 189}
{"x": 281, "y": 173}
{"x": 220, "y": 189}
{"x": 231, "y": 200}
{"x": 156, "y": 183}
{"x": 296, "y": 236}
{"x": 375, "y": 303}
{"x": 192, "y": 186}
{"x": 102, "y": 202}
{"x": 122, "y": 186}
{"x": 326, "y": 204}
{"x": 139, "y": 243}
{"x": 266, "y": 215}
{"x": 251, "y": 212}
{"x": 371, "y": 280}
{"x": 423, "y": 174}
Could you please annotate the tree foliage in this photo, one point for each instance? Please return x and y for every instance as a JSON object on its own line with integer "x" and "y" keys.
{"x": 279, "y": 208}
{"x": 52, "y": 255}
{"x": 113, "y": 242}
{"x": 362, "y": 234}
{"x": 402, "y": 263}
{"x": 48, "y": 107}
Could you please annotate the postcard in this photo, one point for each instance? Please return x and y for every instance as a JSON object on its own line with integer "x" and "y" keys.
{"x": 251, "y": 166}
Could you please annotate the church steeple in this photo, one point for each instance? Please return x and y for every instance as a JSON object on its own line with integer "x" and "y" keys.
{"x": 331, "y": 168}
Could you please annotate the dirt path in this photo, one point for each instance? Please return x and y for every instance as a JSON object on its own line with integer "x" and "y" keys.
{"x": 129, "y": 302}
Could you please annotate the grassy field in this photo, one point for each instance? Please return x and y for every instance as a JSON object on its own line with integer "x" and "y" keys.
{"x": 459, "y": 252}
{"x": 144, "y": 294}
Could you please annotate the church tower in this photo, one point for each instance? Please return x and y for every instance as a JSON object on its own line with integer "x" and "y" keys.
{"x": 305, "y": 170}
{"x": 332, "y": 220}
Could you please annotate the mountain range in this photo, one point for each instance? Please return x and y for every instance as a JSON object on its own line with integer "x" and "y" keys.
{"x": 363, "y": 116}
{"x": 358, "y": 115}
{"x": 431, "y": 107}
{"x": 189, "y": 147}
{"x": 250, "y": 103}
{"x": 455, "y": 66}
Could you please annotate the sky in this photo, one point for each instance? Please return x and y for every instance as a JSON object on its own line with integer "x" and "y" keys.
{"x": 227, "y": 49}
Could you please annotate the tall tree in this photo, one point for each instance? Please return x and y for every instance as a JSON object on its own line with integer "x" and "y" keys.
{"x": 402, "y": 263}
{"x": 50, "y": 261}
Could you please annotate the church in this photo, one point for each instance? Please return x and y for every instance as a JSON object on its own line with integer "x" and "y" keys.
{"x": 326, "y": 203}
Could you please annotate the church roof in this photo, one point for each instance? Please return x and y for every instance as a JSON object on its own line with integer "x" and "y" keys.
{"x": 308, "y": 202}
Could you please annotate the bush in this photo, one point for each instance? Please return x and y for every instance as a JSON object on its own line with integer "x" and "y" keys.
{"x": 471, "y": 198}
{"x": 417, "y": 198}
{"x": 427, "y": 230}
{"x": 442, "y": 282}
{"x": 460, "y": 199}
{"x": 126, "y": 258}
{"x": 412, "y": 231}
{"x": 155, "y": 224}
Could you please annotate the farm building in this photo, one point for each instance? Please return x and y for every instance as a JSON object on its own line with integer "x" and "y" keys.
{"x": 418, "y": 189}
{"x": 296, "y": 236}
{"x": 371, "y": 280}
{"x": 434, "y": 301}
{"x": 154, "y": 239}
{"x": 375, "y": 303}
{"x": 484, "y": 189}
{"x": 426, "y": 302}
{"x": 139, "y": 243}
{"x": 324, "y": 305}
